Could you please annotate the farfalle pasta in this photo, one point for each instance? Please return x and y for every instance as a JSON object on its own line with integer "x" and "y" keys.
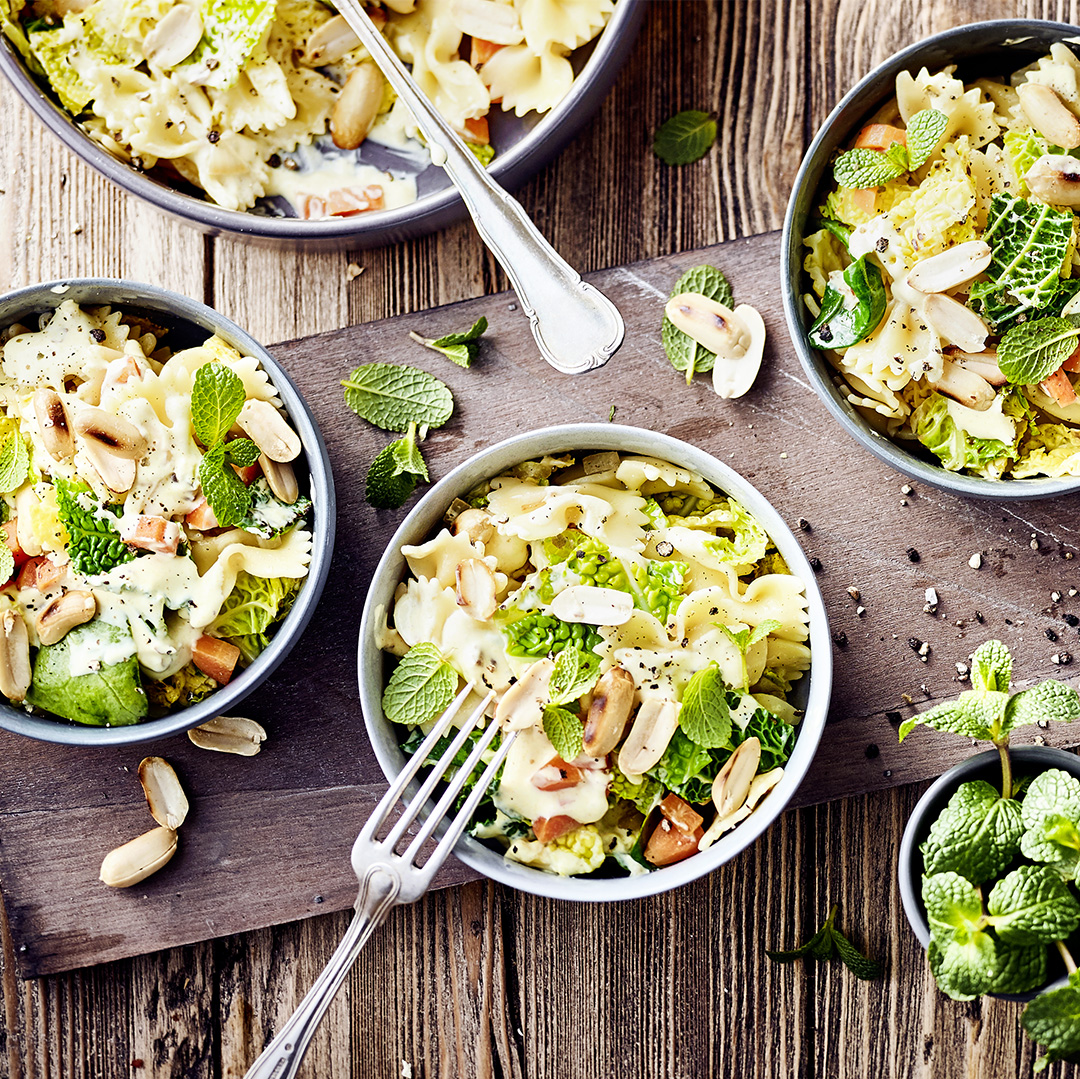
{"x": 605, "y": 578}
{"x": 228, "y": 94}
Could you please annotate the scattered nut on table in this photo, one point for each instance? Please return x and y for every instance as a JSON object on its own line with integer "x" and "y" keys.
{"x": 164, "y": 795}
{"x": 138, "y": 858}
{"x": 229, "y": 734}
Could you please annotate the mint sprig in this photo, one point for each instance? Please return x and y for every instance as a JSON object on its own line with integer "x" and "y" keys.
{"x": 395, "y": 472}
{"x": 1050, "y": 815}
{"x": 392, "y": 396}
{"x": 864, "y": 167}
{"x": 564, "y": 732}
{"x": 827, "y": 942}
{"x": 685, "y": 137}
{"x": 704, "y": 717}
{"x": 744, "y": 639}
{"x": 217, "y": 396}
{"x": 1032, "y": 351}
{"x": 422, "y": 686}
{"x": 459, "y": 348}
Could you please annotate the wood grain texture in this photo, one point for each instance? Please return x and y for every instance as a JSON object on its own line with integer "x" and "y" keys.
{"x": 477, "y": 981}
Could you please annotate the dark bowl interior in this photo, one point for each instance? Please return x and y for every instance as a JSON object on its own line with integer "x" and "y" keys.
{"x": 1027, "y": 761}
{"x": 983, "y": 49}
{"x": 525, "y": 145}
{"x": 190, "y": 323}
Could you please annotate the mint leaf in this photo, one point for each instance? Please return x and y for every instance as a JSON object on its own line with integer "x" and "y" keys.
{"x": 422, "y": 686}
{"x": 924, "y": 131}
{"x": 976, "y": 835}
{"x": 819, "y": 946}
{"x": 564, "y": 731}
{"x": 744, "y": 639}
{"x": 94, "y": 543}
{"x": 1032, "y": 351}
{"x": 1030, "y": 242}
{"x": 953, "y": 717}
{"x": 388, "y": 485}
{"x": 965, "y": 969}
{"x": 1032, "y": 905}
{"x": 953, "y": 906}
{"x": 682, "y": 350}
{"x": 1049, "y": 700}
{"x": 704, "y": 717}
{"x": 459, "y": 348}
{"x": 14, "y": 461}
{"x": 685, "y": 138}
{"x": 862, "y": 966}
{"x": 1050, "y": 814}
{"x": 229, "y": 497}
{"x": 991, "y": 668}
{"x": 1023, "y": 968}
{"x": 241, "y": 452}
{"x": 863, "y": 167}
{"x": 573, "y": 674}
{"x": 1053, "y": 1020}
{"x": 392, "y": 396}
{"x": 217, "y": 395}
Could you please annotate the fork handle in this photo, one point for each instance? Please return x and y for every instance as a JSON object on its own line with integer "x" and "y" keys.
{"x": 576, "y": 327}
{"x": 281, "y": 1059}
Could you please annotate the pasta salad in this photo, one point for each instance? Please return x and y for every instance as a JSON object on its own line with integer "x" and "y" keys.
{"x": 944, "y": 278}
{"x": 637, "y": 628}
{"x": 223, "y": 93}
{"x": 154, "y": 530}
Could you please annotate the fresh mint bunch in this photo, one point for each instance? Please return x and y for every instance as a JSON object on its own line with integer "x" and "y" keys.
{"x": 459, "y": 348}
{"x": 864, "y": 167}
{"x": 395, "y": 472}
{"x": 1051, "y": 818}
{"x": 977, "y": 834}
{"x": 217, "y": 396}
{"x": 1032, "y": 351}
{"x": 828, "y": 942}
{"x": 745, "y": 639}
{"x": 1053, "y": 1020}
{"x": 1032, "y": 905}
{"x": 422, "y": 686}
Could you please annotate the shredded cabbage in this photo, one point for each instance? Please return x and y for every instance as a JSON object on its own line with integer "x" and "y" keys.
{"x": 1050, "y": 449}
{"x": 232, "y": 31}
{"x": 251, "y": 608}
{"x": 826, "y": 256}
{"x": 956, "y": 449}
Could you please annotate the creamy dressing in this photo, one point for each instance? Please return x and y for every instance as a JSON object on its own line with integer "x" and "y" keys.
{"x": 989, "y": 423}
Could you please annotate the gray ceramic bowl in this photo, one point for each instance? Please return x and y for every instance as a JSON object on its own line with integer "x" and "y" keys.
{"x": 812, "y": 694}
{"x": 1026, "y": 761}
{"x": 190, "y": 323}
{"x": 988, "y": 48}
{"x": 524, "y": 147}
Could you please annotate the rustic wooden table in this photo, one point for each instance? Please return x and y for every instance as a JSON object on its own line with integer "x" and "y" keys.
{"x": 479, "y": 981}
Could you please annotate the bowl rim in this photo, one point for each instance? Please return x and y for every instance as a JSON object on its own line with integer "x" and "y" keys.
{"x": 117, "y": 292}
{"x": 426, "y": 214}
{"x": 641, "y": 441}
{"x": 884, "y": 448}
{"x": 907, "y": 873}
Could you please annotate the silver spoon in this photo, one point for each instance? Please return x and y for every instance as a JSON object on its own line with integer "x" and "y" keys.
{"x": 576, "y": 327}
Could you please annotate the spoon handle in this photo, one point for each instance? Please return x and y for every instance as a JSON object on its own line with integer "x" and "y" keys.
{"x": 577, "y": 328}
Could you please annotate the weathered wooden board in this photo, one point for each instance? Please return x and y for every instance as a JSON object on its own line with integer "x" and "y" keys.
{"x": 268, "y": 840}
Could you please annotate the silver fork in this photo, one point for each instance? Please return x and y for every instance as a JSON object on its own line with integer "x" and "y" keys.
{"x": 386, "y": 878}
{"x": 576, "y": 327}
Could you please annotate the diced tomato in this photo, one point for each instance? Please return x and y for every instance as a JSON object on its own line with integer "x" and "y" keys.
{"x": 1072, "y": 364}
{"x": 680, "y": 813}
{"x": 215, "y": 657}
{"x": 881, "y": 136}
{"x": 151, "y": 534}
{"x": 1059, "y": 387}
{"x": 549, "y": 828}
{"x": 477, "y": 128}
{"x": 556, "y": 775}
{"x": 482, "y": 51}
{"x": 669, "y": 844}
{"x": 201, "y": 518}
{"x": 11, "y": 538}
{"x": 377, "y": 16}
{"x": 247, "y": 473}
{"x": 39, "y": 573}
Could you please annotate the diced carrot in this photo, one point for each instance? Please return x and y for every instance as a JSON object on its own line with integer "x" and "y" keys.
{"x": 215, "y": 657}
{"x": 120, "y": 371}
{"x": 151, "y": 534}
{"x": 11, "y": 538}
{"x": 311, "y": 207}
{"x": 549, "y": 828}
{"x": 680, "y": 813}
{"x": 377, "y": 16}
{"x": 669, "y": 844}
{"x": 864, "y": 199}
{"x": 1073, "y": 362}
{"x": 202, "y": 517}
{"x": 556, "y": 775}
{"x": 880, "y": 136}
{"x": 482, "y": 51}
{"x": 40, "y": 573}
{"x": 477, "y": 128}
{"x": 248, "y": 472}
{"x": 1059, "y": 387}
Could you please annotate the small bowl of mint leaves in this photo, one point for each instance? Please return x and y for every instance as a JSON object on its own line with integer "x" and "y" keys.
{"x": 989, "y": 865}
